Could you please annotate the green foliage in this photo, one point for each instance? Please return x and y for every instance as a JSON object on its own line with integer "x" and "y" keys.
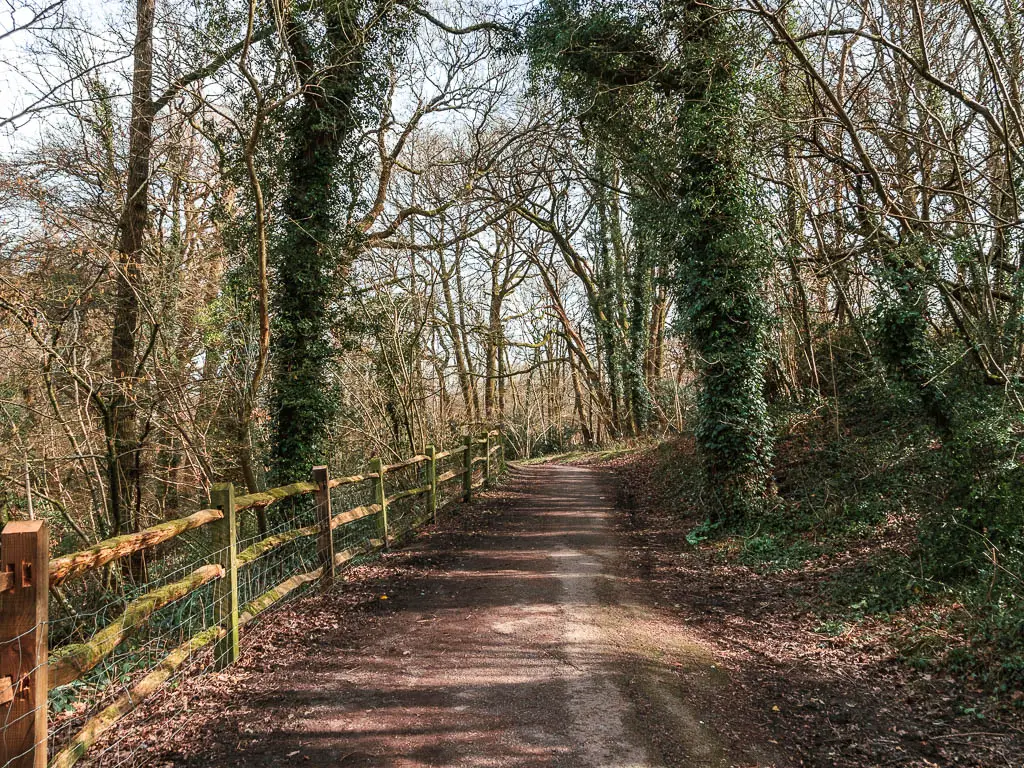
{"x": 957, "y": 503}
{"x": 994, "y": 652}
{"x": 831, "y": 628}
{"x": 594, "y": 48}
{"x": 701, "y": 532}
{"x": 720, "y": 261}
{"x": 882, "y": 586}
{"x": 774, "y": 553}
{"x": 341, "y": 48}
{"x": 673, "y": 117}
{"x": 978, "y": 532}
{"x": 887, "y": 521}
{"x": 899, "y": 326}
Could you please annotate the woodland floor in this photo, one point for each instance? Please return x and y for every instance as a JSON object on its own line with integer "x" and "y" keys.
{"x": 558, "y": 622}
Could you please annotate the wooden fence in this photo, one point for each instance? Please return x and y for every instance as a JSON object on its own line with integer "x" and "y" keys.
{"x": 29, "y": 669}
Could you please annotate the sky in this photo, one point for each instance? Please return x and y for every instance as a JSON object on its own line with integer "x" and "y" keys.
{"x": 27, "y": 68}
{"x": 97, "y": 31}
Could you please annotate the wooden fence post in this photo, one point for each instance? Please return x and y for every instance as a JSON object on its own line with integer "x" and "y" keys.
{"x": 379, "y": 497}
{"x": 487, "y": 462}
{"x": 432, "y": 479}
{"x": 225, "y": 590}
{"x": 25, "y": 553}
{"x": 467, "y": 474}
{"x": 325, "y": 544}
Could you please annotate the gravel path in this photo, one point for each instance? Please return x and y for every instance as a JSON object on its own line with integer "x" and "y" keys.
{"x": 535, "y": 645}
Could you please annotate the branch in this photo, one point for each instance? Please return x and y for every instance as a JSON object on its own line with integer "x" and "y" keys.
{"x": 483, "y": 26}
{"x": 209, "y": 68}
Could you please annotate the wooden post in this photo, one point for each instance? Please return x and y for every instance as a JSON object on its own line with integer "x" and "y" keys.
{"x": 487, "y": 461}
{"x": 25, "y": 553}
{"x": 325, "y": 544}
{"x": 432, "y": 479}
{"x": 379, "y": 497}
{"x": 467, "y": 475}
{"x": 225, "y": 590}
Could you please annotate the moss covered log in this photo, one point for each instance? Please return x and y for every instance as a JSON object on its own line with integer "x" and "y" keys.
{"x": 417, "y": 459}
{"x": 69, "y": 663}
{"x": 358, "y": 513}
{"x": 449, "y": 475}
{"x": 273, "y": 495}
{"x": 77, "y": 563}
{"x": 99, "y": 724}
{"x": 407, "y": 493}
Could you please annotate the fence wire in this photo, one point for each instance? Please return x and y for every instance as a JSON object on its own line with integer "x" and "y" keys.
{"x": 82, "y": 607}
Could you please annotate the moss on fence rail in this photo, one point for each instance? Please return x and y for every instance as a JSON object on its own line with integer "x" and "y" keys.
{"x": 286, "y": 555}
{"x": 72, "y": 661}
{"x": 109, "y": 550}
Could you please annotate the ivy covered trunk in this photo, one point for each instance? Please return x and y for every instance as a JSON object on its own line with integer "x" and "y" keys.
{"x": 121, "y": 420}
{"x": 673, "y": 119}
{"x": 316, "y": 247}
{"x": 720, "y": 266}
{"x": 901, "y": 326}
{"x": 640, "y": 309}
{"x": 621, "y": 303}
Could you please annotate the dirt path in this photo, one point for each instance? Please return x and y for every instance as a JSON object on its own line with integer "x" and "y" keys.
{"x": 529, "y": 642}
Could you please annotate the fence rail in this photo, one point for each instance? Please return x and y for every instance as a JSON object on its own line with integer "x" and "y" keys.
{"x": 27, "y": 575}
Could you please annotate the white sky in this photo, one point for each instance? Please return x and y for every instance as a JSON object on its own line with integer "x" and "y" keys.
{"x": 27, "y": 67}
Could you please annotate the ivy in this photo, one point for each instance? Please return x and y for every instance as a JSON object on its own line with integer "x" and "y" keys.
{"x": 340, "y": 48}
{"x": 674, "y": 119}
{"x": 900, "y": 326}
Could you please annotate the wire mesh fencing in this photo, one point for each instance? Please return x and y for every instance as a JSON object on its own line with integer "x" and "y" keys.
{"x": 135, "y": 614}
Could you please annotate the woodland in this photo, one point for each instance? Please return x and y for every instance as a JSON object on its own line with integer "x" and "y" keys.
{"x": 239, "y": 239}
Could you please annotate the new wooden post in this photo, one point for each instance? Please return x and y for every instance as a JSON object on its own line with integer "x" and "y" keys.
{"x": 379, "y": 497}
{"x": 467, "y": 474}
{"x": 225, "y": 590}
{"x": 487, "y": 462}
{"x": 325, "y": 544}
{"x": 432, "y": 479}
{"x": 25, "y": 553}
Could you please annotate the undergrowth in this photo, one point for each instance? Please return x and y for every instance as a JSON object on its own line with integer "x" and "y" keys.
{"x": 920, "y": 532}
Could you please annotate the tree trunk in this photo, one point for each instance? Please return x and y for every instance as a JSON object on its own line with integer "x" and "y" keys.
{"x": 456, "y": 333}
{"x": 122, "y": 424}
{"x": 316, "y": 248}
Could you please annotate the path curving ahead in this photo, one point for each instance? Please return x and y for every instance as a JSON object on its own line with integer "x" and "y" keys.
{"x": 536, "y": 644}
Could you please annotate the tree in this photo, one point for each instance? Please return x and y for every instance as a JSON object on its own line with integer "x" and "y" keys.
{"x": 338, "y": 48}
{"x": 672, "y": 115}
